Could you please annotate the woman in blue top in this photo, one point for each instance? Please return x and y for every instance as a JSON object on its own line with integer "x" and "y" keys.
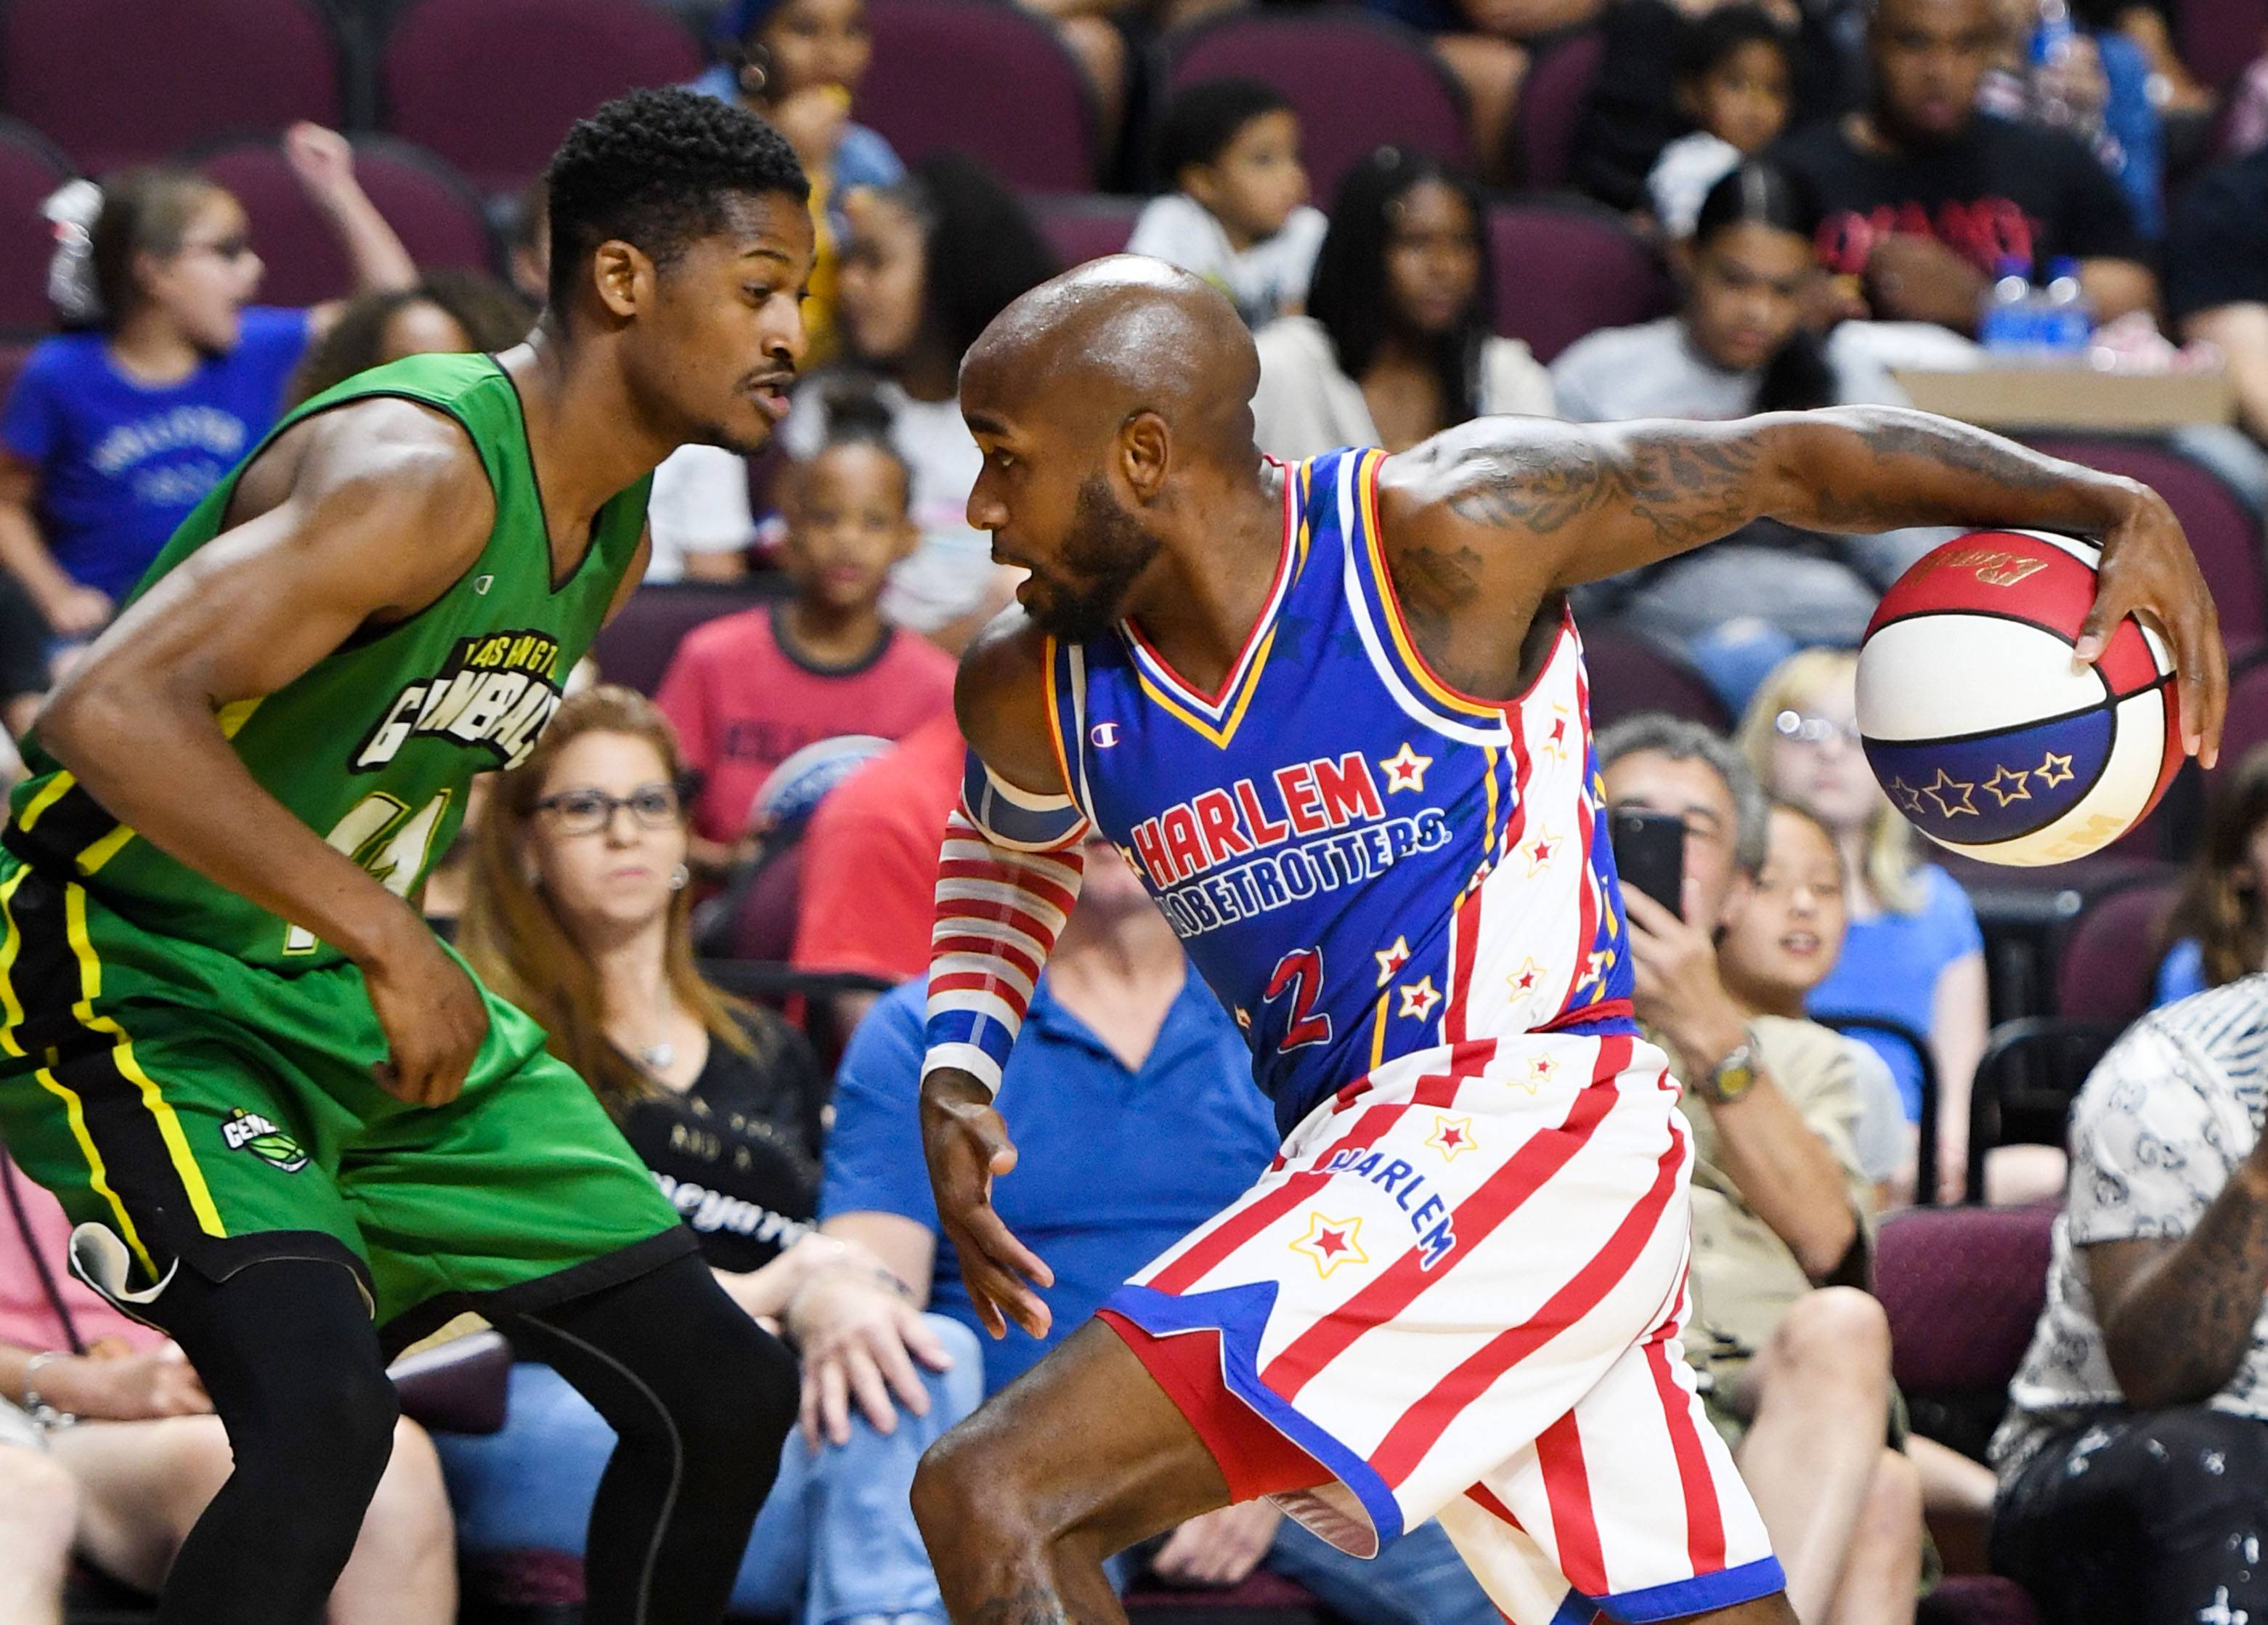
{"x": 112, "y": 433}
{"x": 1915, "y": 955}
{"x": 2218, "y": 929}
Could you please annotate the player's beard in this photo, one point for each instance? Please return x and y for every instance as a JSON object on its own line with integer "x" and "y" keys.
{"x": 1108, "y": 547}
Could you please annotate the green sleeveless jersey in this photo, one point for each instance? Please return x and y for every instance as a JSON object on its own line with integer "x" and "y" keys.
{"x": 373, "y": 746}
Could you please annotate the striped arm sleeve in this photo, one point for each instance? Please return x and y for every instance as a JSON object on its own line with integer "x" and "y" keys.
{"x": 998, "y": 912}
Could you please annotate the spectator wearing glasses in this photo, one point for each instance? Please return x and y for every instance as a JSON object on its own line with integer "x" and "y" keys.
{"x": 1914, "y": 954}
{"x": 577, "y": 913}
{"x": 115, "y": 431}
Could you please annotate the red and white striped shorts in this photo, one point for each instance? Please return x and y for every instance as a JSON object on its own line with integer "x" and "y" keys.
{"x": 1459, "y": 1291}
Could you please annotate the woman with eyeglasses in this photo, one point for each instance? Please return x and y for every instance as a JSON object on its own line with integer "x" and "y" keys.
{"x": 114, "y": 431}
{"x": 1914, "y": 954}
{"x": 577, "y": 911}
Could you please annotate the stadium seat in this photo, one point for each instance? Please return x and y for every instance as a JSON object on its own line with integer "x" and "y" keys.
{"x": 1963, "y": 1288}
{"x": 2220, "y": 38}
{"x": 982, "y": 78}
{"x": 437, "y": 215}
{"x": 491, "y": 85}
{"x": 2109, "y": 966}
{"x": 2247, "y": 728}
{"x": 1358, "y": 81}
{"x": 1550, "y": 99}
{"x": 117, "y": 81}
{"x": 2031, "y": 1072}
{"x": 1630, "y": 675}
{"x": 636, "y": 647}
{"x": 30, "y": 169}
{"x": 1562, "y": 271}
{"x": 1080, "y": 229}
{"x": 2221, "y": 530}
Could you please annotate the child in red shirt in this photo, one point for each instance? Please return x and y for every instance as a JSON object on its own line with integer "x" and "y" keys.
{"x": 748, "y": 691}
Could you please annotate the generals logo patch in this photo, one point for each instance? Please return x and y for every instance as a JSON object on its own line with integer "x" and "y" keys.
{"x": 248, "y": 1131}
{"x": 497, "y": 691}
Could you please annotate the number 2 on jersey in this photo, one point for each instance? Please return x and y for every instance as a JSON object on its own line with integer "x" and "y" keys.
{"x": 379, "y": 833}
{"x": 1300, "y": 974}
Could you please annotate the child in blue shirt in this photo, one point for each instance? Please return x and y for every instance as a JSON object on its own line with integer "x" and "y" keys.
{"x": 114, "y": 432}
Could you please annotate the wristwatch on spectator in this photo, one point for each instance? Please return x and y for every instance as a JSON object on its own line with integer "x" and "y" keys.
{"x": 1731, "y": 1077}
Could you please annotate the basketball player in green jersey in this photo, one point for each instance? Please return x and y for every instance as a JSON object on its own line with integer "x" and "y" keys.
{"x": 292, "y": 1129}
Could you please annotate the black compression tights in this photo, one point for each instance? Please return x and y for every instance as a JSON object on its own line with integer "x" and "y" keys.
{"x": 702, "y": 1397}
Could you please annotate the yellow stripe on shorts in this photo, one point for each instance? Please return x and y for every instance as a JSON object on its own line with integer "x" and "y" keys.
{"x": 98, "y": 1176}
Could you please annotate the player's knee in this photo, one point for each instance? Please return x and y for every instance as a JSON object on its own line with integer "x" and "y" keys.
{"x": 1836, "y": 1336}
{"x": 968, "y": 1491}
{"x": 336, "y": 1423}
{"x": 727, "y": 1393}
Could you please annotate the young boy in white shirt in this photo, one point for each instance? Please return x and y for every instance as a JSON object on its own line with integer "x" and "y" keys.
{"x": 1239, "y": 215}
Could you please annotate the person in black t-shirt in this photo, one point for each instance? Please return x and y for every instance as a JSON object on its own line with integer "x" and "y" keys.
{"x": 2217, "y": 276}
{"x": 1924, "y": 196}
{"x": 577, "y": 911}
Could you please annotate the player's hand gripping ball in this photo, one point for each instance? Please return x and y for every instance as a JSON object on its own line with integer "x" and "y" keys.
{"x": 1985, "y": 731}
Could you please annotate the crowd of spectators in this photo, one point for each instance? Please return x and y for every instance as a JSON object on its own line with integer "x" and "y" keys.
{"x": 1835, "y": 185}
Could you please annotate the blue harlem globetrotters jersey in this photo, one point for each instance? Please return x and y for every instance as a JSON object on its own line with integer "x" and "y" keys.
{"x": 1362, "y": 862}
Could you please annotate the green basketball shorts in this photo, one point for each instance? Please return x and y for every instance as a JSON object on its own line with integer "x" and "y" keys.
{"x": 205, "y": 1113}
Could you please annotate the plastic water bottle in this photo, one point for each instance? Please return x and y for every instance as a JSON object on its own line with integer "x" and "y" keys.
{"x": 2050, "y": 42}
{"x": 2066, "y": 320}
{"x": 2009, "y": 325}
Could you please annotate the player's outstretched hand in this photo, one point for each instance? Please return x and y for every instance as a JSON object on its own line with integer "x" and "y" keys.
{"x": 968, "y": 1147}
{"x": 2147, "y": 565}
{"x": 431, "y": 1014}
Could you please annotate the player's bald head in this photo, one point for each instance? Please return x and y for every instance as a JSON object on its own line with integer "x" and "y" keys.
{"x": 1114, "y": 338}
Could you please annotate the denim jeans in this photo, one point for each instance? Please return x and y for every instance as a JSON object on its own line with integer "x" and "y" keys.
{"x": 835, "y": 1538}
{"x": 1418, "y": 1580}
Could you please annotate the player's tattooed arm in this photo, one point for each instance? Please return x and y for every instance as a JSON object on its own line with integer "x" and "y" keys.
{"x": 2178, "y": 1316}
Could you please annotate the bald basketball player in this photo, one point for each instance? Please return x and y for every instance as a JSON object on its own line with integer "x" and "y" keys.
{"x": 1335, "y": 715}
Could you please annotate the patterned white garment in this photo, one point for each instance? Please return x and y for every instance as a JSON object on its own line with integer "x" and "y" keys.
{"x": 2166, "y": 1117}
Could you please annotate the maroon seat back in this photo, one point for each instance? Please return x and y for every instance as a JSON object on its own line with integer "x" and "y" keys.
{"x": 764, "y": 918}
{"x": 636, "y": 647}
{"x": 117, "y": 81}
{"x": 2221, "y": 530}
{"x": 1358, "y": 82}
{"x": 2220, "y": 38}
{"x": 1628, "y": 674}
{"x": 1564, "y": 271}
{"x": 2108, "y": 970}
{"x": 491, "y": 85}
{"x": 1080, "y": 229}
{"x": 2247, "y": 728}
{"x": 435, "y": 213}
{"x": 30, "y": 169}
{"x": 1963, "y": 1288}
{"x": 1551, "y": 100}
{"x": 982, "y": 78}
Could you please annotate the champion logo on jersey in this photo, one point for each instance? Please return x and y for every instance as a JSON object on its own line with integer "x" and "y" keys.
{"x": 1104, "y": 734}
{"x": 481, "y": 583}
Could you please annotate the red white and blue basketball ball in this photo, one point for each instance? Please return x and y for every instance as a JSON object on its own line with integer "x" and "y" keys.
{"x": 1992, "y": 739}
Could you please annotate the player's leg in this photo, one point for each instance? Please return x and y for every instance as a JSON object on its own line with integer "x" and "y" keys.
{"x": 286, "y": 1350}
{"x": 700, "y": 1399}
{"x": 1081, "y": 1457}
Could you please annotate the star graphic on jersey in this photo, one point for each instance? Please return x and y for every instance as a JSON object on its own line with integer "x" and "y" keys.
{"x": 1330, "y": 1242}
{"x": 1539, "y": 852}
{"x": 1451, "y": 1136}
{"x": 1951, "y": 794}
{"x": 2053, "y": 770}
{"x": 1908, "y": 798}
{"x": 1405, "y": 770}
{"x": 1555, "y": 742}
{"x": 2008, "y": 786}
{"x": 1524, "y": 979}
{"x": 1390, "y": 960}
{"x": 1419, "y": 997}
{"x": 1244, "y": 1018}
{"x": 1541, "y": 1070}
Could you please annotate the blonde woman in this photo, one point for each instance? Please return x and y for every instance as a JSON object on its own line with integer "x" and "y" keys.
{"x": 577, "y": 910}
{"x": 1914, "y": 954}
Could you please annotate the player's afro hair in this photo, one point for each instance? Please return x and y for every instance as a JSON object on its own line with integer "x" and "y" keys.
{"x": 652, "y": 168}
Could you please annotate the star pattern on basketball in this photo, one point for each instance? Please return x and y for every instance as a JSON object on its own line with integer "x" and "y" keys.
{"x": 1524, "y": 979}
{"x": 1906, "y": 797}
{"x": 1330, "y": 1242}
{"x": 1538, "y": 852}
{"x": 1418, "y": 998}
{"x": 1451, "y": 1136}
{"x": 1405, "y": 770}
{"x": 1951, "y": 794}
{"x": 2009, "y": 786}
{"x": 1390, "y": 960}
{"x": 2053, "y": 770}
